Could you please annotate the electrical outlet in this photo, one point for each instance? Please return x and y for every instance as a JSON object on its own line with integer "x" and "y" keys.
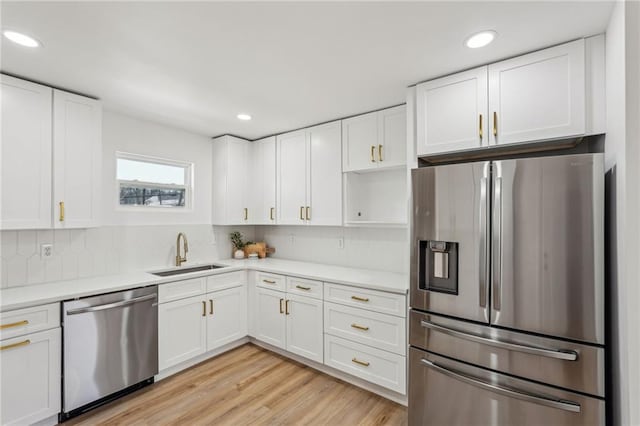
{"x": 340, "y": 243}
{"x": 46, "y": 251}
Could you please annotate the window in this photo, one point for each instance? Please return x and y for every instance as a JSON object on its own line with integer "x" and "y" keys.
{"x": 153, "y": 182}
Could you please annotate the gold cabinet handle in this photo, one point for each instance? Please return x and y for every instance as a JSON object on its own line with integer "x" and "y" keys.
{"x": 357, "y": 361}
{"x": 373, "y": 153}
{"x": 15, "y": 345}
{"x": 480, "y": 127}
{"x": 14, "y": 324}
{"x": 303, "y": 288}
{"x": 246, "y": 213}
{"x": 301, "y": 213}
{"x": 495, "y": 123}
{"x": 360, "y": 327}
{"x": 308, "y": 213}
{"x": 272, "y": 212}
{"x": 268, "y": 281}
{"x": 380, "y": 153}
{"x": 360, "y": 299}
{"x": 281, "y": 309}
{"x": 210, "y": 306}
{"x": 204, "y": 308}
{"x": 286, "y": 306}
{"x": 61, "y": 204}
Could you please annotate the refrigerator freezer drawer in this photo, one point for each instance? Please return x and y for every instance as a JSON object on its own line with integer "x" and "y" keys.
{"x": 557, "y": 362}
{"x": 447, "y": 392}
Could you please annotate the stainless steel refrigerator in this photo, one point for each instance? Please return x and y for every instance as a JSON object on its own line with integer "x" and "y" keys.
{"x": 507, "y": 293}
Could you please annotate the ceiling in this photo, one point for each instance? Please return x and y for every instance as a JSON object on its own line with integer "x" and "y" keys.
{"x": 196, "y": 65}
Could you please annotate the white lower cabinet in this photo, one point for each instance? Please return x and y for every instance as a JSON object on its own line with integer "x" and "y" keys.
{"x": 30, "y": 379}
{"x": 200, "y": 323}
{"x": 289, "y": 321}
{"x": 182, "y": 330}
{"x": 226, "y": 316}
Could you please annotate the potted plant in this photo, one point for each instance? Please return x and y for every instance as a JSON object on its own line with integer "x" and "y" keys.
{"x": 238, "y": 244}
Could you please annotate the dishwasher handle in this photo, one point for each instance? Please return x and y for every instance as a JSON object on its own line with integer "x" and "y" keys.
{"x": 111, "y": 305}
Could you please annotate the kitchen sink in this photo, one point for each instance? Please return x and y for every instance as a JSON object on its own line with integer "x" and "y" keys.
{"x": 187, "y": 270}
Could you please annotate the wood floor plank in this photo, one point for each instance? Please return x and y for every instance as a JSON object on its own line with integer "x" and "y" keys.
{"x": 248, "y": 386}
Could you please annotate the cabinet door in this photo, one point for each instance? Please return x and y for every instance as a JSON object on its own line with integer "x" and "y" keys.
{"x": 392, "y": 137}
{"x": 269, "y": 317}
{"x": 77, "y": 155}
{"x": 452, "y": 112}
{"x": 25, "y": 154}
{"x": 31, "y": 371}
{"x": 226, "y": 316}
{"x": 262, "y": 188}
{"x": 238, "y": 182}
{"x": 360, "y": 140}
{"x": 324, "y": 197}
{"x": 292, "y": 178}
{"x": 538, "y": 96}
{"x": 304, "y": 327}
{"x": 182, "y": 332}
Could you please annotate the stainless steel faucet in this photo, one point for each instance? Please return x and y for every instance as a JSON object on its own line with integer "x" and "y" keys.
{"x": 179, "y": 259}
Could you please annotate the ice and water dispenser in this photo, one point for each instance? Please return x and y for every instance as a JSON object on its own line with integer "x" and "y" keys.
{"x": 439, "y": 266}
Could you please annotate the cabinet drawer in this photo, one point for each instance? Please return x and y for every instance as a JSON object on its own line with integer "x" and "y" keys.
{"x": 29, "y": 320}
{"x": 373, "y": 365}
{"x": 381, "y": 331}
{"x": 272, "y": 281}
{"x": 373, "y": 300}
{"x": 181, "y": 289}
{"x": 304, "y": 287}
{"x": 30, "y": 381}
{"x": 223, "y": 281}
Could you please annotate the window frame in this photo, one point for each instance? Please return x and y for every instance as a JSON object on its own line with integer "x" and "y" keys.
{"x": 188, "y": 183}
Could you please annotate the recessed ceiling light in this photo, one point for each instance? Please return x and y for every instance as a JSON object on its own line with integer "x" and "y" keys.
{"x": 21, "y": 39}
{"x": 480, "y": 39}
{"x": 244, "y": 117}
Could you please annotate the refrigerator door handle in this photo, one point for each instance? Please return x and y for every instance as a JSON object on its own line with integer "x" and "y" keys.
{"x": 509, "y": 392}
{"x": 567, "y": 355}
{"x": 497, "y": 244}
{"x": 483, "y": 276}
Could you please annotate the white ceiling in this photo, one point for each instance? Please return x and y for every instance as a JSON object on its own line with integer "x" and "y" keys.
{"x": 196, "y": 65}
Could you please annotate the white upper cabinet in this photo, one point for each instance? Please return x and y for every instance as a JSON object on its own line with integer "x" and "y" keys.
{"x": 324, "y": 171}
{"x": 230, "y": 181}
{"x": 25, "y": 154}
{"x": 452, "y": 112}
{"x": 77, "y": 156}
{"x": 374, "y": 140}
{"x": 538, "y": 96}
{"x": 262, "y": 187}
{"x": 309, "y": 177}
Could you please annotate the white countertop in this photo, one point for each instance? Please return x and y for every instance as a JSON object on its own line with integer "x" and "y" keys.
{"x": 39, "y": 294}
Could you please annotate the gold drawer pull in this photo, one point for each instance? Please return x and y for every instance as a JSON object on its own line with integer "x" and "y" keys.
{"x": 286, "y": 306}
{"x": 360, "y": 299}
{"x": 246, "y": 213}
{"x": 373, "y": 153}
{"x": 204, "y": 308}
{"x": 268, "y": 281}
{"x": 15, "y": 345}
{"x": 495, "y": 123}
{"x": 303, "y": 288}
{"x": 480, "y": 128}
{"x": 380, "y": 153}
{"x": 272, "y": 211}
{"x": 357, "y": 361}
{"x": 308, "y": 209}
{"x": 360, "y": 327}
{"x": 61, "y": 204}
{"x": 281, "y": 309}
{"x": 211, "y": 306}
{"x": 301, "y": 213}
{"x": 14, "y": 324}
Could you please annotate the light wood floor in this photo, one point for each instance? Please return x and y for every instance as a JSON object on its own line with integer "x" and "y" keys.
{"x": 249, "y": 385}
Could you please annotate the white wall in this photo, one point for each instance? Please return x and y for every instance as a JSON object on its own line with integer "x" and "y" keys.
{"x": 370, "y": 248}
{"x": 622, "y": 153}
{"x": 127, "y": 134}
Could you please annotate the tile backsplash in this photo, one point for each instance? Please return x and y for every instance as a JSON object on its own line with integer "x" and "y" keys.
{"x": 81, "y": 253}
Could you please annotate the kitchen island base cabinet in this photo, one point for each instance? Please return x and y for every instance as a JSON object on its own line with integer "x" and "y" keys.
{"x": 30, "y": 379}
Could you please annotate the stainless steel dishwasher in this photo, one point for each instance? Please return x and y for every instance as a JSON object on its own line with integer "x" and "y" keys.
{"x": 110, "y": 347}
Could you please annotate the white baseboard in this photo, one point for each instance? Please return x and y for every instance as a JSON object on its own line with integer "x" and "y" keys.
{"x": 200, "y": 358}
{"x": 49, "y": 421}
{"x": 356, "y": 381}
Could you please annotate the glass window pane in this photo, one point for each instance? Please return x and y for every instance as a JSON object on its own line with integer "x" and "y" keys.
{"x": 150, "y": 172}
{"x": 149, "y": 196}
